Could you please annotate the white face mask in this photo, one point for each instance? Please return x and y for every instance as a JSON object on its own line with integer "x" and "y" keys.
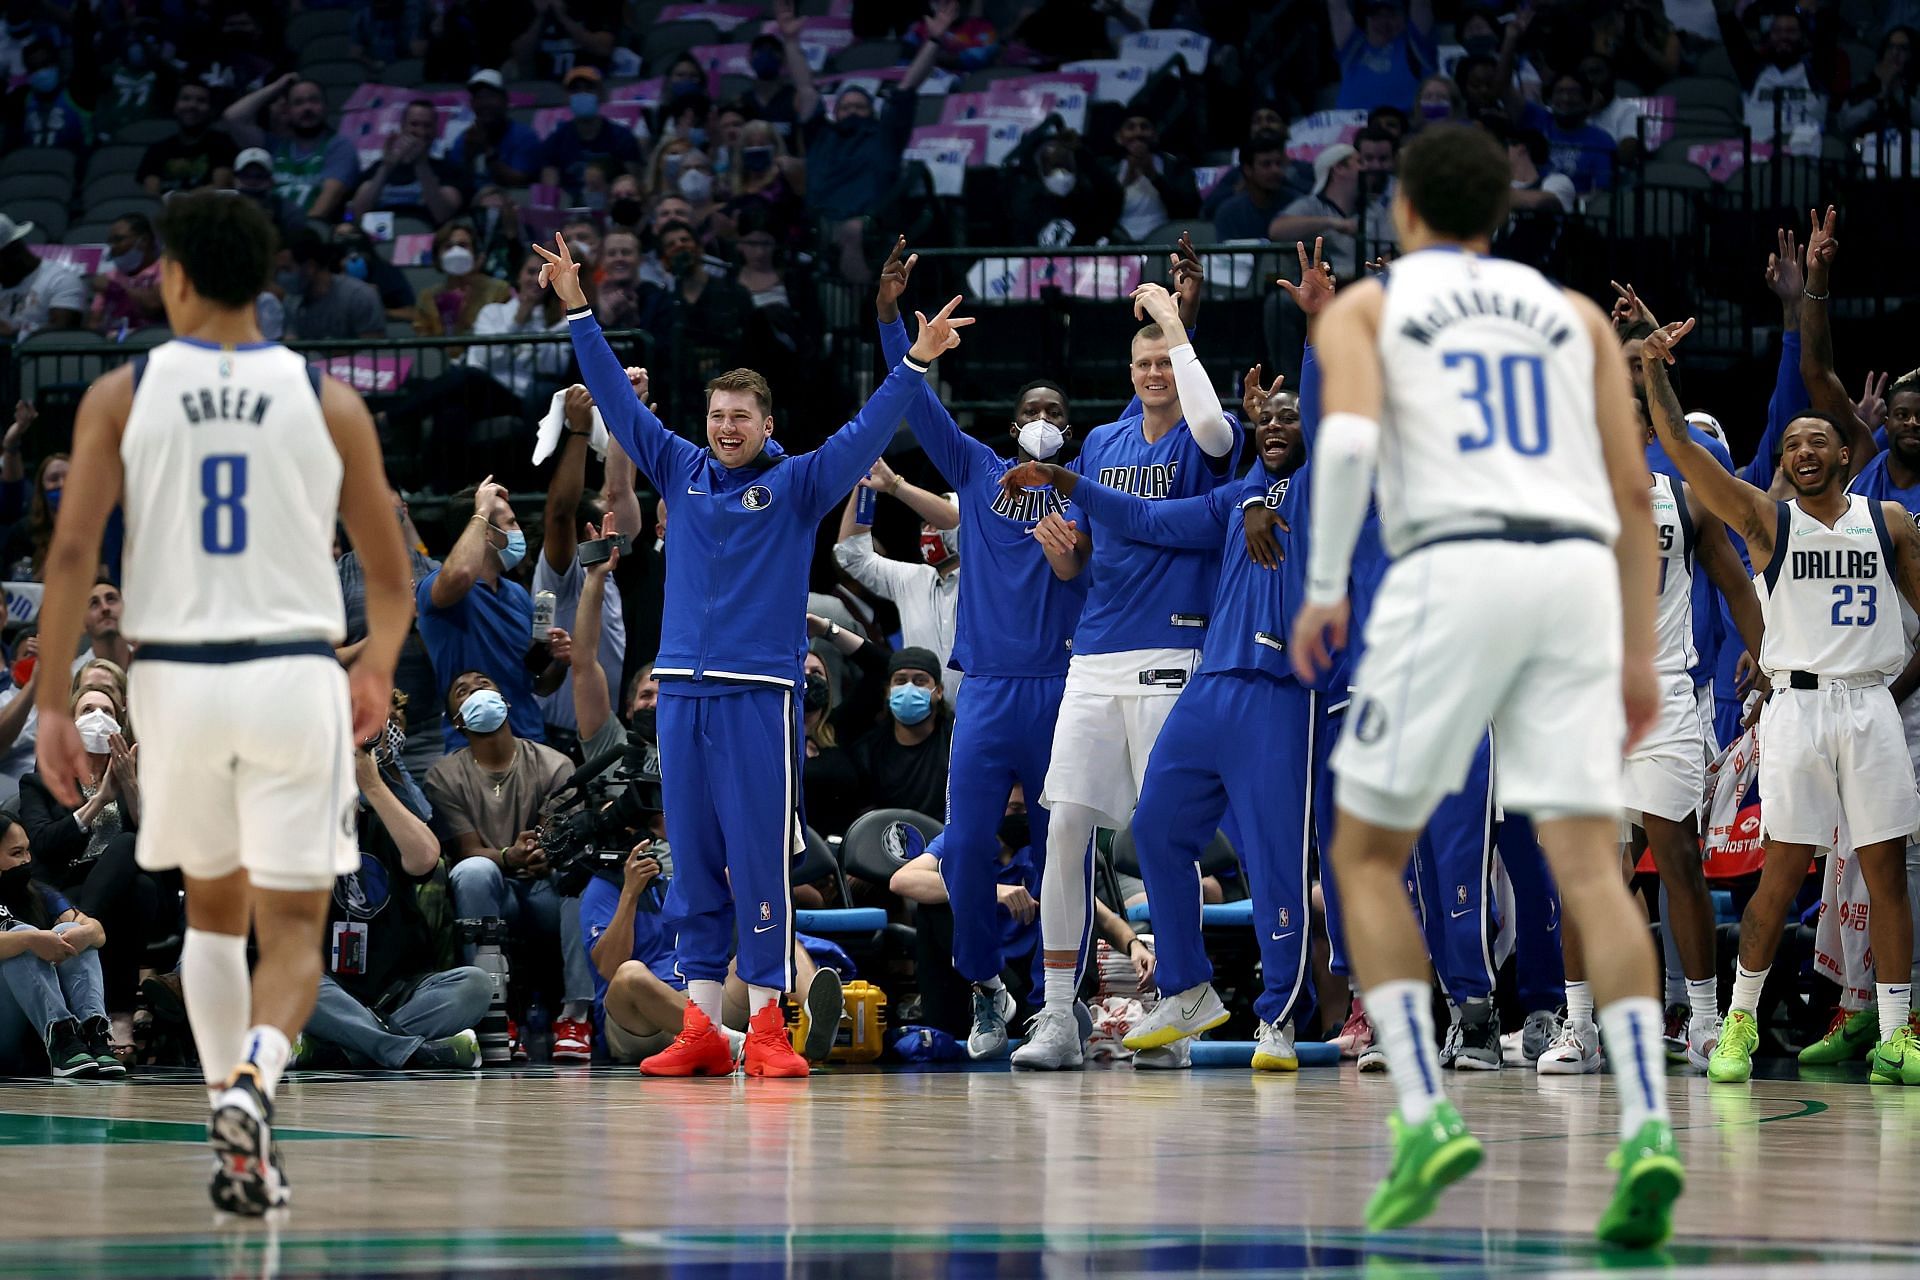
{"x": 97, "y": 728}
{"x": 1058, "y": 181}
{"x": 457, "y": 260}
{"x": 1041, "y": 439}
{"x": 696, "y": 185}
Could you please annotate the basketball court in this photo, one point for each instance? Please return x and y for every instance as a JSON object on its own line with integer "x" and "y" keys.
{"x": 938, "y": 1173}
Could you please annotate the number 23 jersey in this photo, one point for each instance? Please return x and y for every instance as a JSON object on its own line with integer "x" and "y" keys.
{"x": 231, "y": 492}
{"x": 1488, "y": 412}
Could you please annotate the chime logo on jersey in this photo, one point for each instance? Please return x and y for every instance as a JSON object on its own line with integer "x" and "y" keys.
{"x": 758, "y": 498}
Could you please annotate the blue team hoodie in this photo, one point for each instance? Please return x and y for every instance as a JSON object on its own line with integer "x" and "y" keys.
{"x": 742, "y": 543}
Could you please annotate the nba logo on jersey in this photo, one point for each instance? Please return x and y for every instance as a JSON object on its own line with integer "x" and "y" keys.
{"x": 1286, "y": 918}
{"x": 766, "y": 911}
{"x": 1460, "y": 895}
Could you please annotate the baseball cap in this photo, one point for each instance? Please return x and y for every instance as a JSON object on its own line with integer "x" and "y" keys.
{"x": 490, "y": 78}
{"x": 582, "y": 72}
{"x": 914, "y": 658}
{"x": 1707, "y": 423}
{"x": 11, "y": 231}
{"x": 252, "y": 156}
{"x": 1324, "y": 162}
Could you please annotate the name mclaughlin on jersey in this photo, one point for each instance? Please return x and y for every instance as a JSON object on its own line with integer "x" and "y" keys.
{"x": 1477, "y": 304}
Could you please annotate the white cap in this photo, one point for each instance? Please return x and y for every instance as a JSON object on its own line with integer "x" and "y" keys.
{"x": 253, "y": 155}
{"x": 11, "y": 231}
{"x": 1324, "y": 162}
{"x": 491, "y": 78}
{"x": 1708, "y": 423}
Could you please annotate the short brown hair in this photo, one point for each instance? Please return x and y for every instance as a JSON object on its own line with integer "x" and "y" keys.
{"x": 1458, "y": 179}
{"x": 743, "y": 380}
{"x": 1149, "y": 333}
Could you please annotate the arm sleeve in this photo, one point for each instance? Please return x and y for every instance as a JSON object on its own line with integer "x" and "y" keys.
{"x": 1788, "y": 401}
{"x": 870, "y": 569}
{"x": 951, "y": 450}
{"x": 1195, "y": 523}
{"x": 1309, "y": 397}
{"x": 1212, "y": 429}
{"x": 829, "y": 473}
{"x": 1342, "y": 489}
{"x": 656, "y": 450}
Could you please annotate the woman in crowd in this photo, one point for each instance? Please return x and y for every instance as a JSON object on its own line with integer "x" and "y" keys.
{"x": 831, "y": 782}
{"x": 765, "y": 178}
{"x": 452, "y": 306}
{"x": 127, "y": 293}
{"x": 51, "y": 998}
{"x": 25, "y": 553}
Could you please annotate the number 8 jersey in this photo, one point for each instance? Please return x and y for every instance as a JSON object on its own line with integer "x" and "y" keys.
{"x": 1488, "y": 415}
{"x": 1829, "y": 598}
{"x": 232, "y": 488}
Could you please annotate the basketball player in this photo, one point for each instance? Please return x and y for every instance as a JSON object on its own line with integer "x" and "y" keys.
{"x": 231, "y": 458}
{"x": 1136, "y": 645}
{"x": 1833, "y": 567}
{"x": 732, "y": 642}
{"x": 1501, "y": 413}
{"x": 1016, "y": 618}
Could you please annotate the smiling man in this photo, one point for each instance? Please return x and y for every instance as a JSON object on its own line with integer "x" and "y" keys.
{"x": 732, "y": 641}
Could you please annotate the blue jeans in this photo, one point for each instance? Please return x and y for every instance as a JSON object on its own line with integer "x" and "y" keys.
{"x": 34, "y": 995}
{"x": 443, "y": 1005}
{"x": 533, "y": 909}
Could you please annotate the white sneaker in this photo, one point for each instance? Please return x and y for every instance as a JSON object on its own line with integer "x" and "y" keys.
{"x": 1575, "y": 1051}
{"x": 1273, "y": 1048}
{"x": 1703, "y": 1034}
{"x": 1373, "y": 1058}
{"x": 991, "y": 1009}
{"x": 247, "y": 1176}
{"x": 1450, "y": 1046}
{"x": 1177, "y": 1056}
{"x": 1186, "y": 1013}
{"x": 1053, "y": 1042}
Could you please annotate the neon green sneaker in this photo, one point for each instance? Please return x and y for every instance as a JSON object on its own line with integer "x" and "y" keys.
{"x": 1651, "y": 1179}
{"x": 1896, "y": 1060}
{"x": 1732, "y": 1060}
{"x": 1849, "y": 1039}
{"x": 1427, "y": 1158}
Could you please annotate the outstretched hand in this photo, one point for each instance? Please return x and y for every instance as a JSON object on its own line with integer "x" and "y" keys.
{"x": 1628, "y": 310}
{"x": 1319, "y": 632}
{"x": 1188, "y": 276}
{"x": 561, "y": 272}
{"x": 942, "y": 333}
{"x": 1658, "y": 348}
{"x": 1316, "y": 286}
{"x": 1872, "y": 404}
{"x": 894, "y": 274}
{"x": 1254, "y": 396}
{"x": 1032, "y": 475}
{"x": 1786, "y": 278}
{"x": 1822, "y": 246}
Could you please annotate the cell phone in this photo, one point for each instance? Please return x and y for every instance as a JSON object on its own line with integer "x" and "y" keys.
{"x": 599, "y": 550}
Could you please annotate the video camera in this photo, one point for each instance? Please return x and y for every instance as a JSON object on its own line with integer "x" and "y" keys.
{"x": 590, "y": 825}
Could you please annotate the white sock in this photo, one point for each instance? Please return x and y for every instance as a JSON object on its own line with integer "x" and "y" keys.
{"x": 1402, "y": 1014}
{"x": 705, "y": 994}
{"x": 735, "y": 1039}
{"x": 1677, "y": 989}
{"x": 1631, "y": 1030}
{"x": 1896, "y": 1003}
{"x": 1746, "y": 989}
{"x": 574, "y": 1011}
{"x": 1703, "y": 997}
{"x": 267, "y": 1049}
{"x": 993, "y": 984}
{"x": 1060, "y": 987}
{"x": 219, "y": 995}
{"x": 759, "y": 998}
{"x": 1580, "y": 1003}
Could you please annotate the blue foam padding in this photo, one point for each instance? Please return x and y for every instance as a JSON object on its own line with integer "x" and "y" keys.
{"x": 841, "y": 920}
{"x": 1138, "y": 913}
{"x": 1723, "y": 906}
{"x": 1239, "y": 1053}
{"x": 1227, "y": 915}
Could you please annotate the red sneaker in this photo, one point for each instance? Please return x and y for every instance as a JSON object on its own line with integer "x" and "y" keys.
{"x": 699, "y": 1050}
{"x": 516, "y": 1047}
{"x": 769, "y": 1052}
{"x": 1356, "y": 1037}
{"x": 572, "y": 1041}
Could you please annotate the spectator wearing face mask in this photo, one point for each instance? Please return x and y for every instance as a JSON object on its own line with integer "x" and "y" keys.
{"x": 705, "y": 327}
{"x": 314, "y": 168}
{"x": 697, "y": 185}
{"x": 253, "y": 179}
{"x": 52, "y": 997}
{"x": 24, "y": 554}
{"x": 361, "y": 259}
{"x": 496, "y": 221}
{"x": 130, "y": 87}
{"x": 927, "y": 591}
{"x": 837, "y": 714}
{"x": 197, "y": 155}
{"x": 684, "y": 103}
{"x": 1156, "y": 188}
{"x": 127, "y": 293}
{"x": 764, "y": 178}
{"x": 1063, "y": 196}
{"x": 41, "y": 112}
{"x": 451, "y": 306}
{"x": 495, "y": 148}
{"x": 588, "y": 135}
{"x": 626, "y": 204}
{"x": 407, "y": 181}
{"x": 321, "y": 302}
{"x": 904, "y": 761}
{"x": 771, "y": 95}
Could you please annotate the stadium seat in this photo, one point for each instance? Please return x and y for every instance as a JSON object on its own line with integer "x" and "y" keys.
{"x": 86, "y": 233}
{"x": 49, "y": 217}
{"x": 115, "y": 159}
{"x": 48, "y": 360}
{"x": 404, "y": 226}
{"x": 1681, "y": 175}
{"x": 338, "y": 48}
{"x": 881, "y": 842}
{"x": 144, "y": 133}
{"x": 545, "y": 93}
{"x": 335, "y": 73}
{"x": 120, "y": 206}
{"x": 38, "y": 160}
{"x": 34, "y": 186}
{"x": 404, "y": 71}
{"x": 1703, "y": 91}
{"x": 1218, "y": 857}
{"x": 1713, "y": 63}
{"x": 316, "y": 24}
{"x": 112, "y": 186}
{"x": 668, "y": 40}
{"x": 868, "y": 55}
{"x": 975, "y": 81}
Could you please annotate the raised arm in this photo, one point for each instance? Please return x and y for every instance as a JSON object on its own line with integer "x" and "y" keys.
{"x": 1749, "y": 511}
{"x": 938, "y": 22}
{"x": 951, "y": 450}
{"x": 1824, "y": 388}
{"x": 1713, "y": 552}
{"x": 1339, "y": 23}
{"x": 1786, "y": 280}
{"x": 461, "y": 569}
{"x": 562, "y": 524}
{"x": 1199, "y": 402}
{"x": 806, "y": 98}
{"x": 932, "y": 508}
{"x": 241, "y": 118}
{"x": 1195, "y": 523}
{"x": 592, "y": 699}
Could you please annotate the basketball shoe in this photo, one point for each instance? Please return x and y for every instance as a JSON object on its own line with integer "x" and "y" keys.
{"x": 1427, "y": 1158}
{"x": 1640, "y": 1215}
{"x": 247, "y": 1177}
{"x": 769, "y": 1051}
{"x": 699, "y": 1050}
{"x": 1849, "y": 1038}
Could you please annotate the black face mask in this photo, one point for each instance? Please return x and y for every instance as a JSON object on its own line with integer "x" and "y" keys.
{"x": 626, "y": 212}
{"x": 1016, "y": 832}
{"x": 817, "y": 693}
{"x": 644, "y": 724}
{"x": 14, "y": 881}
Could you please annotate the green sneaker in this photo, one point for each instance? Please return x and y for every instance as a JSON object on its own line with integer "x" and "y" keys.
{"x": 1651, "y": 1179}
{"x": 1849, "y": 1039}
{"x": 1732, "y": 1060}
{"x": 1427, "y": 1158}
{"x": 1896, "y": 1060}
{"x": 299, "y": 1053}
{"x": 465, "y": 1050}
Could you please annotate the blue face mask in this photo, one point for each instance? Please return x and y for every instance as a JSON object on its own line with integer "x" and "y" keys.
{"x": 357, "y": 267}
{"x": 483, "y": 711}
{"x": 514, "y": 552}
{"x": 584, "y": 106}
{"x": 910, "y": 703}
{"x": 53, "y": 500}
{"x": 45, "y": 80}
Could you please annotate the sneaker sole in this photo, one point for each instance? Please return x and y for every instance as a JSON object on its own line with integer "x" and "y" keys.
{"x": 1649, "y": 1190}
{"x": 760, "y": 1072}
{"x": 1161, "y": 1037}
{"x": 1063, "y": 1065}
{"x": 1468, "y": 1062}
{"x": 1735, "y": 1073}
{"x": 1452, "y": 1162}
{"x": 1372, "y": 1066}
{"x": 1553, "y": 1067}
{"x": 1272, "y": 1062}
{"x": 240, "y": 1179}
{"x": 89, "y": 1067}
{"x": 826, "y": 1001}
{"x": 989, "y": 1052}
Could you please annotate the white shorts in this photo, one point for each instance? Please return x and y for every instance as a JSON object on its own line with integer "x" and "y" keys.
{"x": 1109, "y": 719}
{"x": 1834, "y": 751}
{"x": 246, "y": 764}
{"x": 1522, "y": 635}
{"x": 1665, "y": 775}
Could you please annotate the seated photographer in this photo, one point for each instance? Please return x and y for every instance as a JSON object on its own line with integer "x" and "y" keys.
{"x": 385, "y": 1000}
{"x": 487, "y": 799}
{"x": 904, "y": 761}
{"x": 51, "y": 996}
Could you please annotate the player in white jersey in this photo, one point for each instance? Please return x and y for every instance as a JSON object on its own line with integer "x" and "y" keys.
{"x": 231, "y": 461}
{"x": 1832, "y": 567}
{"x": 1500, "y": 413}
{"x": 1664, "y": 778}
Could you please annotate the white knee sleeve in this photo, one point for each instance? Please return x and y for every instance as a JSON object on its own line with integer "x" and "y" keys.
{"x": 219, "y": 995}
{"x": 1066, "y": 895}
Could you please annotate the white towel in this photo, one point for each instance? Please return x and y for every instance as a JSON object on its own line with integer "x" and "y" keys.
{"x": 548, "y": 440}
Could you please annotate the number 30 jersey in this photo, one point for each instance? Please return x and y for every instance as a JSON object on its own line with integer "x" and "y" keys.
{"x": 1831, "y": 604}
{"x": 231, "y": 491}
{"x": 1488, "y": 416}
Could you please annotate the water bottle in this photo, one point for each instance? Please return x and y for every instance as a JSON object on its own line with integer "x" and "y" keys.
{"x": 543, "y": 605}
{"x": 863, "y": 504}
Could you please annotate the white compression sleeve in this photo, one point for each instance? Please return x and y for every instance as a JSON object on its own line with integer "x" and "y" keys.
{"x": 1342, "y": 487}
{"x": 1200, "y": 403}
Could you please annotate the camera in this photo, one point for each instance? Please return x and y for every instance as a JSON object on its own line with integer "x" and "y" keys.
{"x": 596, "y": 550}
{"x": 588, "y": 826}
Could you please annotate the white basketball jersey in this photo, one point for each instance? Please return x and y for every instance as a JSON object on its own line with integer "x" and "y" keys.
{"x": 1829, "y": 597}
{"x": 232, "y": 488}
{"x": 1489, "y": 415}
{"x": 1673, "y": 608}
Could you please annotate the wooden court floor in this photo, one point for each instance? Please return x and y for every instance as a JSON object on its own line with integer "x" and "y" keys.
{"x": 941, "y": 1173}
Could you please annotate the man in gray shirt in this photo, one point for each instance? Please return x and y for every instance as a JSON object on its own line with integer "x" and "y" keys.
{"x": 321, "y": 302}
